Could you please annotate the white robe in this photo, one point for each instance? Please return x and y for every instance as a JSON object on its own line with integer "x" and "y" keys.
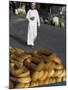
{"x": 32, "y": 26}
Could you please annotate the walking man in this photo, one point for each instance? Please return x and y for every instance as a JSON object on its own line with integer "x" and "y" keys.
{"x": 34, "y": 21}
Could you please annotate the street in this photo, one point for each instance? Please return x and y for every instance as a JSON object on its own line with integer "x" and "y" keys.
{"x": 49, "y": 37}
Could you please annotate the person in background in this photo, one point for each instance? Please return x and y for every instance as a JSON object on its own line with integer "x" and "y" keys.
{"x": 33, "y": 21}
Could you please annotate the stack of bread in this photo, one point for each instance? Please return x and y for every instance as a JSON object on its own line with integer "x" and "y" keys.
{"x": 32, "y": 69}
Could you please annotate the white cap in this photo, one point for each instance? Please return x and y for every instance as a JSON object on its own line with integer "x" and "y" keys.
{"x": 33, "y": 4}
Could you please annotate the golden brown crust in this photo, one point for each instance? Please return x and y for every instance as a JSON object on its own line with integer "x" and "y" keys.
{"x": 50, "y": 80}
{"x": 46, "y": 81}
{"x": 53, "y": 80}
{"x": 43, "y": 58}
{"x": 63, "y": 74}
{"x": 43, "y": 52}
{"x": 36, "y": 60}
{"x": 19, "y": 72}
{"x": 31, "y": 66}
{"x": 57, "y": 60}
{"x": 21, "y": 80}
{"x": 58, "y": 67}
{"x": 58, "y": 73}
{"x": 40, "y": 67}
{"x": 44, "y": 76}
{"x": 20, "y": 85}
{"x": 41, "y": 73}
{"x": 58, "y": 79}
{"x": 51, "y": 73}
{"x": 49, "y": 66}
{"x": 52, "y": 56}
{"x": 25, "y": 74}
{"x": 35, "y": 76}
{"x": 34, "y": 84}
{"x": 12, "y": 50}
{"x": 22, "y": 58}
{"x": 15, "y": 71}
{"x": 24, "y": 80}
{"x": 19, "y": 51}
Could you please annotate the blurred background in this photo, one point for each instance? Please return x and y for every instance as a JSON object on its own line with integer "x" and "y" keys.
{"x": 52, "y": 14}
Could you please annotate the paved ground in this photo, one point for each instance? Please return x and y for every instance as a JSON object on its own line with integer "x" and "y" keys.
{"x": 49, "y": 37}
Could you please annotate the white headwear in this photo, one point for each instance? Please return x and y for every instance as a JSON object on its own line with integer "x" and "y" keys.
{"x": 33, "y": 4}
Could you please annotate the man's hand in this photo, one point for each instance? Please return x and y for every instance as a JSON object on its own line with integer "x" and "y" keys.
{"x": 38, "y": 25}
{"x": 32, "y": 18}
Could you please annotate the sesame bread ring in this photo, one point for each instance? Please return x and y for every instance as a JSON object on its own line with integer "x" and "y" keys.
{"x": 36, "y": 60}
{"x": 35, "y": 76}
{"x": 51, "y": 73}
{"x": 43, "y": 52}
{"x": 57, "y": 60}
{"x": 40, "y": 66}
{"x": 19, "y": 72}
{"x": 27, "y": 85}
{"x": 31, "y": 66}
{"x": 49, "y": 66}
{"x": 24, "y": 80}
{"x": 41, "y": 73}
{"x": 46, "y": 81}
{"x": 24, "y": 74}
{"x": 21, "y": 85}
{"x": 50, "y": 80}
{"x": 53, "y": 80}
{"x": 18, "y": 51}
{"x": 21, "y": 80}
{"x": 57, "y": 73}
{"x": 22, "y": 57}
{"x": 63, "y": 74}
{"x": 12, "y": 50}
{"x": 44, "y": 76}
{"x": 52, "y": 56}
{"x": 41, "y": 57}
{"x": 58, "y": 67}
{"x": 58, "y": 79}
{"x": 18, "y": 64}
{"x": 34, "y": 84}
{"x": 14, "y": 70}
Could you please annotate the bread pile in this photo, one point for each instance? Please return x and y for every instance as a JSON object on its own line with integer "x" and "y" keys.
{"x": 31, "y": 69}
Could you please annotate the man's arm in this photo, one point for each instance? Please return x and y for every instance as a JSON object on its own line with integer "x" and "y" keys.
{"x": 28, "y": 16}
{"x": 38, "y": 19}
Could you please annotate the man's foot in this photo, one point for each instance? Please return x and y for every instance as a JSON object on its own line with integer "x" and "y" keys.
{"x": 31, "y": 45}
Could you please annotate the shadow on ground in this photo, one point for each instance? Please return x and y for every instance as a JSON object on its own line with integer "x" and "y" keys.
{"x": 18, "y": 39}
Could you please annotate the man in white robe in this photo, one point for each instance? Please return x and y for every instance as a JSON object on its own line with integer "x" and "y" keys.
{"x": 34, "y": 21}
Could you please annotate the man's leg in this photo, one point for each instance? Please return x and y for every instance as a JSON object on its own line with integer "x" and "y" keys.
{"x": 30, "y": 40}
